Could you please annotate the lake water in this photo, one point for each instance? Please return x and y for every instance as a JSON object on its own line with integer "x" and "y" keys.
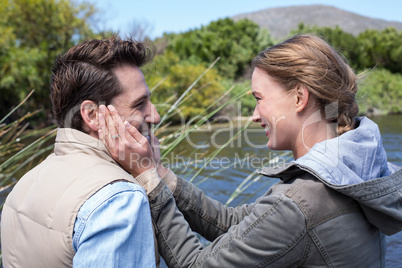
{"x": 391, "y": 129}
{"x": 236, "y": 162}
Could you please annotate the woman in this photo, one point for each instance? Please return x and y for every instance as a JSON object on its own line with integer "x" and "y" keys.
{"x": 334, "y": 202}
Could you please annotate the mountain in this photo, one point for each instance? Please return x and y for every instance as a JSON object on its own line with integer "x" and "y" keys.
{"x": 280, "y": 21}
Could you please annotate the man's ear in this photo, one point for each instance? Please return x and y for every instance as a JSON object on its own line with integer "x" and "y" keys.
{"x": 302, "y": 98}
{"x": 89, "y": 112}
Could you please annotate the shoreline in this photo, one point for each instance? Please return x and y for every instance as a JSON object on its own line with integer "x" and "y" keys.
{"x": 240, "y": 121}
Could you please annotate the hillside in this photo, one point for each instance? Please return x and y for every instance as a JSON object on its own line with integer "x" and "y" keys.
{"x": 280, "y": 21}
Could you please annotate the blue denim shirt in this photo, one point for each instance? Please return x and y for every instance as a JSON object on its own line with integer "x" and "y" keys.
{"x": 114, "y": 229}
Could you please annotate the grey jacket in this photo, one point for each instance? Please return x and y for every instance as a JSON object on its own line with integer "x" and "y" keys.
{"x": 330, "y": 209}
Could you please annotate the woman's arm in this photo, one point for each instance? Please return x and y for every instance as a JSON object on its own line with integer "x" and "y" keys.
{"x": 205, "y": 215}
{"x": 273, "y": 234}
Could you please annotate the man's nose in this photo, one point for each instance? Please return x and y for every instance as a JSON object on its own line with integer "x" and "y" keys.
{"x": 153, "y": 116}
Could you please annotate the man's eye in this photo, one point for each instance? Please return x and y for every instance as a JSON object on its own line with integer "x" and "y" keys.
{"x": 137, "y": 105}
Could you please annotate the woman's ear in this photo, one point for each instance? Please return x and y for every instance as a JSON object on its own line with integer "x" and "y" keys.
{"x": 302, "y": 98}
{"x": 89, "y": 112}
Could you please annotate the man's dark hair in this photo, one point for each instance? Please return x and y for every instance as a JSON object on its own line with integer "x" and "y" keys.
{"x": 85, "y": 72}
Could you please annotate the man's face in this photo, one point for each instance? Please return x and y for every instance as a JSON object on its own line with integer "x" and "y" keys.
{"x": 133, "y": 103}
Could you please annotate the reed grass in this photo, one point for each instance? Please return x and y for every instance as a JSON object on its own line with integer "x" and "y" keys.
{"x": 20, "y": 147}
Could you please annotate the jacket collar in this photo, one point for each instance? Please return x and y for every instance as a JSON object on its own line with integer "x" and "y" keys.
{"x": 285, "y": 171}
{"x": 69, "y": 141}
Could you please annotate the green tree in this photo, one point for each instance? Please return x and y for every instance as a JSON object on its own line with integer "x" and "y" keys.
{"x": 169, "y": 77}
{"x": 34, "y": 33}
{"x": 380, "y": 92}
{"x": 381, "y": 49}
{"x": 236, "y": 43}
{"x": 345, "y": 43}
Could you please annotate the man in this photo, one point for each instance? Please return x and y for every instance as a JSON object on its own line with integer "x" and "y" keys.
{"x": 79, "y": 207}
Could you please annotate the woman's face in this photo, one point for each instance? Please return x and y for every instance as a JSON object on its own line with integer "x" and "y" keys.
{"x": 275, "y": 110}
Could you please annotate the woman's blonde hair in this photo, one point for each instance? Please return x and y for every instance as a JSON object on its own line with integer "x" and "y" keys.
{"x": 307, "y": 60}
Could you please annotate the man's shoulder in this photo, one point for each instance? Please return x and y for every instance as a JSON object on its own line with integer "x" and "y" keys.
{"x": 111, "y": 193}
{"x": 117, "y": 187}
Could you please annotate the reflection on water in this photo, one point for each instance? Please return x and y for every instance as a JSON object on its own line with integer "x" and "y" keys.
{"x": 221, "y": 178}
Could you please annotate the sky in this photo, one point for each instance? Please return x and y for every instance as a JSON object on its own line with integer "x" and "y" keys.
{"x": 176, "y": 16}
